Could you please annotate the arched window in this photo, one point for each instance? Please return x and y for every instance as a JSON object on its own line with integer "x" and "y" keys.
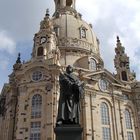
{"x": 40, "y": 51}
{"x": 124, "y": 76}
{"x": 36, "y": 106}
{"x": 92, "y": 64}
{"x": 105, "y": 120}
{"x": 105, "y": 114}
{"x": 128, "y": 119}
{"x": 128, "y": 123}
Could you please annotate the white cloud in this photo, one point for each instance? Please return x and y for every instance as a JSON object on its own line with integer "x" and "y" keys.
{"x": 6, "y": 43}
{"x": 109, "y": 19}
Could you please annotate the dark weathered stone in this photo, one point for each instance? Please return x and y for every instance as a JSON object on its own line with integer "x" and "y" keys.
{"x": 68, "y": 132}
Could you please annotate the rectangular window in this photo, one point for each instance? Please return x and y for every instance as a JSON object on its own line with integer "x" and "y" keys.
{"x": 83, "y": 32}
{"x": 128, "y": 120}
{"x": 36, "y": 112}
{"x": 35, "y": 131}
{"x": 105, "y": 116}
{"x": 130, "y": 136}
{"x": 106, "y": 133}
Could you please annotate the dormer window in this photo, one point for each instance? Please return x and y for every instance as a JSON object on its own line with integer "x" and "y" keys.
{"x": 83, "y": 32}
{"x": 92, "y": 64}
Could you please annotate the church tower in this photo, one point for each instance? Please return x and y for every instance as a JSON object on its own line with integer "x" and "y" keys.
{"x": 110, "y": 108}
{"x": 122, "y": 64}
{"x": 45, "y": 42}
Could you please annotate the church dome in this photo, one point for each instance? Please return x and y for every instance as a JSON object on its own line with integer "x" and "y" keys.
{"x": 75, "y": 33}
{"x": 67, "y": 32}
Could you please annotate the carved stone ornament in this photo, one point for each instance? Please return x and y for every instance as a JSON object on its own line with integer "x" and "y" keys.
{"x": 49, "y": 86}
{"x": 17, "y": 66}
{"x": 75, "y": 43}
{"x": 46, "y": 24}
{"x": 47, "y": 77}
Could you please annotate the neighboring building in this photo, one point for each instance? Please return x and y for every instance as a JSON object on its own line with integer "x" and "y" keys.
{"x": 111, "y": 103}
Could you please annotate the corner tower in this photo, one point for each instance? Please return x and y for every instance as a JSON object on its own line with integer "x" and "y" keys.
{"x": 122, "y": 64}
{"x": 45, "y": 42}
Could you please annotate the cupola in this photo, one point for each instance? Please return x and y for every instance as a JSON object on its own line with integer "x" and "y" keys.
{"x": 45, "y": 41}
{"x": 60, "y": 4}
{"x": 122, "y": 64}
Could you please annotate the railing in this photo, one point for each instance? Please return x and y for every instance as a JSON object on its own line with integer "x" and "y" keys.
{"x": 76, "y": 43}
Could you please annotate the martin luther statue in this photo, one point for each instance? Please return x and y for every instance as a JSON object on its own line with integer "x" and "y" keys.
{"x": 71, "y": 90}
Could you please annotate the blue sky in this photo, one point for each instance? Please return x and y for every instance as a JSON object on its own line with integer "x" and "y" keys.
{"x": 20, "y": 19}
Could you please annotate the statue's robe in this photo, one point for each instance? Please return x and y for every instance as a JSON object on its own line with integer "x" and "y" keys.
{"x": 71, "y": 90}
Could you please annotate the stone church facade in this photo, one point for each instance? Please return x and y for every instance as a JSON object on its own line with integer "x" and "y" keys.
{"x": 110, "y": 107}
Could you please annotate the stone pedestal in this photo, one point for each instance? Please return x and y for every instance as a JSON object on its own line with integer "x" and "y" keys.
{"x": 68, "y": 132}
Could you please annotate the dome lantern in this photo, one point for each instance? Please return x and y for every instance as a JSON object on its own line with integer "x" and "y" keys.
{"x": 64, "y": 3}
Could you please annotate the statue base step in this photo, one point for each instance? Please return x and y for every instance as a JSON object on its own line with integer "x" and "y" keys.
{"x": 68, "y": 132}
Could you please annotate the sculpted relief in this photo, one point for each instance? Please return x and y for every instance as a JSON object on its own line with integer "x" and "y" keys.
{"x": 73, "y": 42}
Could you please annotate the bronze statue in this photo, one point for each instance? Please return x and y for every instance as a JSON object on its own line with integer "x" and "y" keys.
{"x": 71, "y": 90}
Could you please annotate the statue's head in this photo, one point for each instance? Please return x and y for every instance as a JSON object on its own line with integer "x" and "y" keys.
{"x": 69, "y": 69}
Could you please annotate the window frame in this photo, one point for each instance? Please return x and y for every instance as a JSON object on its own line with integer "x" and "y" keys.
{"x": 37, "y": 75}
{"x": 130, "y": 135}
{"x": 35, "y": 130}
{"x": 92, "y": 64}
{"x": 105, "y": 121}
{"x": 36, "y": 106}
{"x": 129, "y": 124}
{"x": 83, "y": 33}
{"x": 103, "y": 84}
{"x": 107, "y": 133}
